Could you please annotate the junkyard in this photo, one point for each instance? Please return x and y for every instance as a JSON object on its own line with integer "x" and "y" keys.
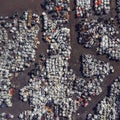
{"x": 59, "y": 60}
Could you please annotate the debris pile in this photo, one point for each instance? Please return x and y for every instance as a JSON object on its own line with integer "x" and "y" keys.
{"x": 17, "y": 52}
{"x": 101, "y": 35}
{"x": 93, "y": 67}
{"x": 83, "y": 8}
{"x": 109, "y": 107}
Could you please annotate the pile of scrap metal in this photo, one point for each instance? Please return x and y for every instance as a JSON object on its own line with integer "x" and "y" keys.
{"x": 102, "y": 6}
{"x": 100, "y": 35}
{"x": 109, "y": 107}
{"x": 59, "y": 10}
{"x": 83, "y": 8}
{"x": 118, "y": 10}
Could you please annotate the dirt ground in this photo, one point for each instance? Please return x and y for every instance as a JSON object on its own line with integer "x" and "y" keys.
{"x": 10, "y": 6}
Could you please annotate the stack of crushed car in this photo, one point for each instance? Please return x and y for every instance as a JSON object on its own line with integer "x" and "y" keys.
{"x": 59, "y": 10}
{"x": 102, "y": 6}
{"x": 46, "y": 93}
{"x": 16, "y": 53}
{"x": 93, "y": 67}
{"x": 53, "y": 85}
{"x": 101, "y": 35}
{"x": 118, "y": 10}
{"x": 83, "y": 8}
{"x": 109, "y": 107}
{"x": 6, "y": 116}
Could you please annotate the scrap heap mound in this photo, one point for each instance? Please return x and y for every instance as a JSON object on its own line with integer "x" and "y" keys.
{"x": 109, "y": 107}
{"x": 16, "y": 53}
{"x": 100, "y": 35}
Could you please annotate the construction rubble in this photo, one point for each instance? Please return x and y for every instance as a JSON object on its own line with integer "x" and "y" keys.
{"x": 109, "y": 107}
{"x": 17, "y": 52}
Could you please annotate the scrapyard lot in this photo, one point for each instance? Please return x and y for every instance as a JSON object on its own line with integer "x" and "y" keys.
{"x": 75, "y": 63}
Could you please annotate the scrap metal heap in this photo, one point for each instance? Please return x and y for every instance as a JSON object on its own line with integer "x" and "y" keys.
{"x": 59, "y": 10}
{"x": 93, "y": 67}
{"x": 118, "y": 10}
{"x": 109, "y": 107}
{"x": 53, "y": 90}
{"x": 102, "y": 6}
{"x": 101, "y": 35}
{"x": 83, "y": 8}
{"x": 53, "y": 85}
{"x": 46, "y": 93}
{"x": 16, "y": 53}
{"x": 57, "y": 36}
{"x": 55, "y": 78}
{"x": 84, "y": 90}
{"x": 6, "y": 116}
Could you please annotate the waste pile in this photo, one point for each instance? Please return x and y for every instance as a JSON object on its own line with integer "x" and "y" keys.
{"x": 93, "y": 67}
{"x": 83, "y": 8}
{"x": 118, "y": 10}
{"x": 6, "y": 116}
{"x": 58, "y": 9}
{"x": 102, "y": 6}
{"x": 17, "y": 52}
{"x": 109, "y": 107}
{"x": 101, "y": 35}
